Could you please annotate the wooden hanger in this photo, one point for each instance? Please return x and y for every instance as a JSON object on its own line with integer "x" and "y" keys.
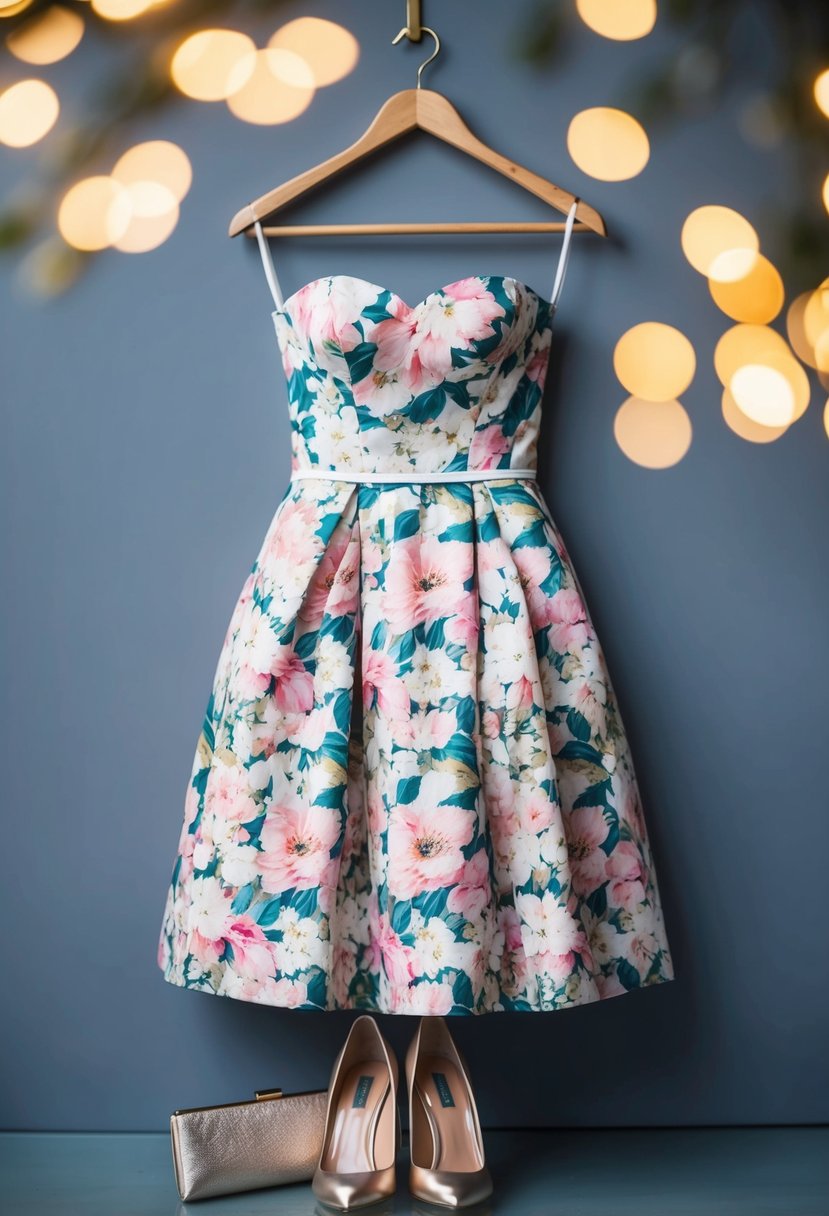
{"x": 421, "y": 110}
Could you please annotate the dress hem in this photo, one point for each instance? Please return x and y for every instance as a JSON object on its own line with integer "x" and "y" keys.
{"x": 592, "y": 997}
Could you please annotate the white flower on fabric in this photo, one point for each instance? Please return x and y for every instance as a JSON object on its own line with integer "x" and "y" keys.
{"x": 337, "y": 438}
{"x": 210, "y": 906}
{"x": 507, "y": 651}
{"x": 333, "y": 667}
{"x": 548, "y": 927}
{"x": 239, "y": 864}
{"x": 435, "y": 946}
{"x": 301, "y": 946}
{"x": 259, "y": 774}
{"x": 435, "y": 676}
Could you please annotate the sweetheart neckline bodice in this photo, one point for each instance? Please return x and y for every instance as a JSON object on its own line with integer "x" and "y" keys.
{"x": 354, "y": 278}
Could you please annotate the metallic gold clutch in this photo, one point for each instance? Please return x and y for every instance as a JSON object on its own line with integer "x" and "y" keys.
{"x": 268, "y": 1141}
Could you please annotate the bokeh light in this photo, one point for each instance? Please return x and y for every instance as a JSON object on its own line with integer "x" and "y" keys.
{"x": 330, "y": 50}
{"x": 763, "y": 394}
{"x": 10, "y": 8}
{"x": 757, "y": 347}
{"x": 212, "y": 64}
{"x": 654, "y": 434}
{"x": 756, "y": 298}
{"x": 94, "y": 213}
{"x": 802, "y": 343}
{"x": 622, "y": 20}
{"x": 287, "y": 66}
{"x": 816, "y": 315}
{"x": 745, "y": 344}
{"x": 48, "y": 36}
{"x": 265, "y": 98}
{"x": 711, "y": 235}
{"x": 608, "y": 144}
{"x": 121, "y": 10}
{"x": 826, "y": 418}
{"x": 746, "y": 427}
{"x": 822, "y": 91}
{"x": 824, "y": 194}
{"x": 158, "y": 161}
{"x": 154, "y": 215}
{"x": 28, "y": 111}
{"x": 654, "y": 361}
{"x": 822, "y": 356}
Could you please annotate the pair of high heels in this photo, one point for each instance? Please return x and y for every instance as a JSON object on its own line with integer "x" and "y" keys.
{"x": 362, "y": 1124}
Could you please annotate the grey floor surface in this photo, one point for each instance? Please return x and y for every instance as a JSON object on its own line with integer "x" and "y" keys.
{"x": 631, "y": 1172}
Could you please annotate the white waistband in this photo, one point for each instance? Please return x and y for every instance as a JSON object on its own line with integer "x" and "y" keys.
{"x": 413, "y": 478}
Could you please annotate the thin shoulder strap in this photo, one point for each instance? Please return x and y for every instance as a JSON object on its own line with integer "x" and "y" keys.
{"x": 564, "y": 254}
{"x": 267, "y": 262}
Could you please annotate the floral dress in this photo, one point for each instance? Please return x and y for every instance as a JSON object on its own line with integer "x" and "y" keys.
{"x": 412, "y": 791}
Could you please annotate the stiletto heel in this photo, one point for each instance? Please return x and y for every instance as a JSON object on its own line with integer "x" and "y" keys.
{"x": 446, "y": 1145}
{"x": 362, "y": 1124}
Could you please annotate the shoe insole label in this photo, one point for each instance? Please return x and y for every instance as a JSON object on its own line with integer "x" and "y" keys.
{"x": 361, "y": 1093}
{"x": 442, "y": 1086}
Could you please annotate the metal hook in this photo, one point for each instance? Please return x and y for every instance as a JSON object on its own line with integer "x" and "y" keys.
{"x": 404, "y": 33}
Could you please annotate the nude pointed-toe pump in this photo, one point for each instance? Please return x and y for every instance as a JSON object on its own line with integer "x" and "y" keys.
{"x": 446, "y": 1146}
{"x": 356, "y": 1166}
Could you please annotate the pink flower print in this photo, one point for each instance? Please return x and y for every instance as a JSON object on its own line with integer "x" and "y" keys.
{"x": 396, "y": 354}
{"x": 536, "y": 367}
{"x": 509, "y": 923}
{"x": 471, "y": 894}
{"x": 586, "y": 829}
{"x": 488, "y": 445}
{"x": 191, "y": 808}
{"x": 427, "y": 728}
{"x": 533, "y": 564}
{"x": 609, "y": 985}
{"x": 292, "y": 538}
{"x": 627, "y": 875}
{"x": 559, "y": 734}
{"x": 567, "y": 618}
{"x": 462, "y": 628}
{"x": 287, "y": 993}
{"x": 424, "y": 581}
{"x": 536, "y": 812}
{"x": 500, "y": 795}
{"x": 396, "y": 958}
{"x": 425, "y": 847}
{"x": 429, "y": 1000}
{"x": 227, "y": 795}
{"x": 343, "y": 969}
{"x": 382, "y": 686}
{"x": 334, "y": 585}
{"x": 296, "y": 846}
{"x": 327, "y": 307}
{"x": 294, "y": 689}
{"x": 493, "y": 555}
{"x": 521, "y": 696}
{"x": 251, "y": 949}
{"x": 458, "y": 315}
{"x": 589, "y": 700}
{"x": 490, "y": 724}
{"x": 309, "y": 730}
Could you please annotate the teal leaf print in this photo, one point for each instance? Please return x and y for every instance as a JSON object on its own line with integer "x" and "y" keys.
{"x": 407, "y": 524}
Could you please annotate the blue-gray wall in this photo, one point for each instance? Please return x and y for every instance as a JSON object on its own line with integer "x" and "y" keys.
{"x": 145, "y": 449}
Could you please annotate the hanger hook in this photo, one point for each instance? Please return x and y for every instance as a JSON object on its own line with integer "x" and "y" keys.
{"x": 404, "y": 33}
